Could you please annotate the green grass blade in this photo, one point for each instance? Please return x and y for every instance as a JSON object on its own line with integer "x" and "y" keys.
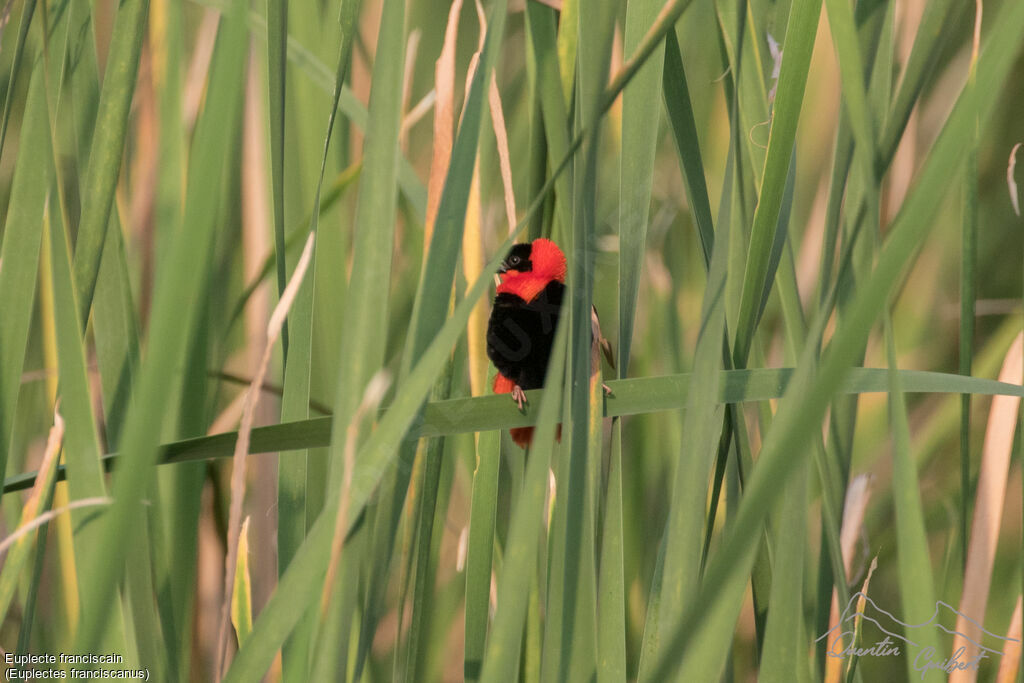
{"x": 684, "y": 132}
{"x": 851, "y": 68}
{"x": 611, "y": 659}
{"x": 524, "y": 534}
{"x": 917, "y": 592}
{"x": 639, "y": 143}
{"x": 277, "y": 59}
{"x": 932, "y": 33}
{"x": 301, "y": 582}
{"x": 703, "y": 427}
{"x": 293, "y": 515}
{"x": 629, "y": 397}
{"x": 19, "y": 254}
{"x": 84, "y": 470}
{"x": 783, "y": 656}
{"x": 968, "y": 261}
{"x": 482, "y": 513}
{"x": 177, "y": 291}
{"x": 365, "y": 319}
{"x": 412, "y": 660}
{"x": 803, "y": 22}
{"x": 107, "y": 146}
{"x": 19, "y": 54}
{"x": 716, "y": 607}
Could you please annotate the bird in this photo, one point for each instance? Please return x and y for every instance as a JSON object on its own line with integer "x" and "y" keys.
{"x": 523, "y": 320}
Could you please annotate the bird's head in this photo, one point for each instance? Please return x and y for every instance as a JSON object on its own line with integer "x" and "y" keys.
{"x": 540, "y": 260}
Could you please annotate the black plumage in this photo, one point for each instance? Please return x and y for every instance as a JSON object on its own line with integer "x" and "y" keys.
{"x": 520, "y": 334}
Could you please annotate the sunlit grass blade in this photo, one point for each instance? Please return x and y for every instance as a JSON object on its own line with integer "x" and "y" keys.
{"x": 241, "y": 594}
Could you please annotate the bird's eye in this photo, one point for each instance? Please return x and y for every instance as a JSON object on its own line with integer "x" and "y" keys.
{"x": 513, "y": 261}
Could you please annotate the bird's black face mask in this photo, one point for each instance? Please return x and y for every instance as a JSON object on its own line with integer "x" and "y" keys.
{"x": 518, "y": 260}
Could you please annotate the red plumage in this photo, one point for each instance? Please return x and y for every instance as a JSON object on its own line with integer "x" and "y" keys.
{"x": 523, "y": 320}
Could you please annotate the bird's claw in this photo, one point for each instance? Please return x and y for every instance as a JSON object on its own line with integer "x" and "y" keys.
{"x": 607, "y": 389}
{"x": 519, "y": 396}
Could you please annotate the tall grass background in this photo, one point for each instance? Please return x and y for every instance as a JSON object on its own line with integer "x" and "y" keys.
{"x": 244, "y": 398}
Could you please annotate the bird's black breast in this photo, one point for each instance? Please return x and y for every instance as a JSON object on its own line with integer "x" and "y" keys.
{"x": 520, "y": 334}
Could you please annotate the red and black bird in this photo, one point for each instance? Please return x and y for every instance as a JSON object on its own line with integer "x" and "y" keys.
{"x": 521, "y": 329}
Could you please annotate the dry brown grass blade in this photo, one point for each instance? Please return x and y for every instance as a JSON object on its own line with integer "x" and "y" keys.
{"x": 1011, "y": 182}
{"x": 1009, "y": 664}
{"x": 472, "y": 263}
{"x": 988, "y": 512}
{"x": 857, "y": 497}
{"x": 416, "y": 114}
{"x": 50, "y": 456}
{"x": 242, "y": 445}
{"x": 444, "y": 119}
{"x": 500, "y": 133}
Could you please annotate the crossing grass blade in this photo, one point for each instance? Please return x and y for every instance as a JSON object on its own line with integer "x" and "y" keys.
{"x": 629, "y": 397}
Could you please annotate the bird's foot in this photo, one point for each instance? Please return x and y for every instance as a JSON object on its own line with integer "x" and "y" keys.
{"x": 607, "y": 389}
{"x": 519, "y": 396}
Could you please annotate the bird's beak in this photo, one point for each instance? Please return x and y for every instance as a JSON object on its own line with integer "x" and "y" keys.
{"x": 502, "y": 269}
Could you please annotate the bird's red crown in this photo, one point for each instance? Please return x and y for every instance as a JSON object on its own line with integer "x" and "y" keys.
{"x": 547, "y": 263}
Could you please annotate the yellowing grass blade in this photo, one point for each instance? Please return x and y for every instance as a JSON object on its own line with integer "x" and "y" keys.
{"x": 241, "y": 593}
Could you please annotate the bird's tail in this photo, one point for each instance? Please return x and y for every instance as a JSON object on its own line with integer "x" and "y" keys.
{"x": 523, "y": 436}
